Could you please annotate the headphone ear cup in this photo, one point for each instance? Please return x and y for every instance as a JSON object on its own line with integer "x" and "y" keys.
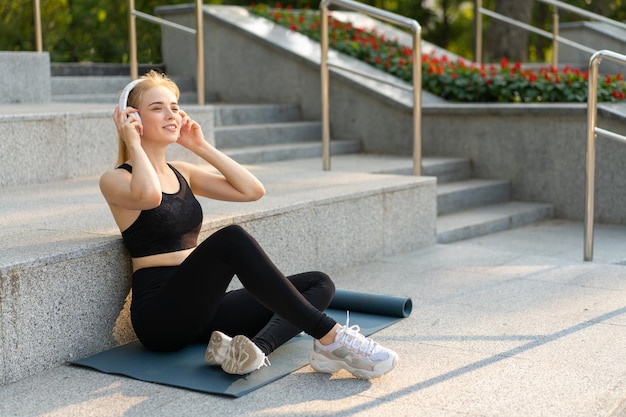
{"x": 123, "y": 103}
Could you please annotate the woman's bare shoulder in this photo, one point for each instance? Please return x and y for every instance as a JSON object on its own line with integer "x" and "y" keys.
{"x": 112, "y": 177}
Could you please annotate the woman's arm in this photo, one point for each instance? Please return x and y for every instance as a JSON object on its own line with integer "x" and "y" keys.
{"x": 142, "y": 189}
{"x": 235, "y": 183}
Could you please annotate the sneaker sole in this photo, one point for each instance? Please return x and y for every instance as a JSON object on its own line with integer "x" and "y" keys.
{"x": 217, "y": 348}
{"x": 325, "y": 365}
{"x": 242, "y": 357}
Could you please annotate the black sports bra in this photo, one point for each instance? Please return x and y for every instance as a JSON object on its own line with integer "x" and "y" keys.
{"x": 172, "y": 226}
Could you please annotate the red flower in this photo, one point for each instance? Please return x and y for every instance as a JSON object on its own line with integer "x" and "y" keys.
{"x": 504, "y": 63}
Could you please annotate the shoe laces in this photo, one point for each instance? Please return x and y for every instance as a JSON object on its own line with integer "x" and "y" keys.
{"x": 351, "y": 337}
{"x": 266, "y": 362}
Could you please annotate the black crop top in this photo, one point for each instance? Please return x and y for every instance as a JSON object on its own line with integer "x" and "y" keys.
{"x": 173, "y": 225}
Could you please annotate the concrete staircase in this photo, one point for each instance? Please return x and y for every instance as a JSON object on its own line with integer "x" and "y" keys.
{"x": 470, "y": 207}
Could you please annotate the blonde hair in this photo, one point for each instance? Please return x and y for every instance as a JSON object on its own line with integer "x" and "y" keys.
{"x": 150, "y": 80}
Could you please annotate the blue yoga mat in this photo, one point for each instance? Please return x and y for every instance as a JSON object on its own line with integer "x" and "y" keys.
{"x": 186, "y": 368}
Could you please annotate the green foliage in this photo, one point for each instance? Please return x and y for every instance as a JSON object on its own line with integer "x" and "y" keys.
{"x": 95, "y": 30}
{"x": 455, "y": 81}
{"x": 81, "y": 30}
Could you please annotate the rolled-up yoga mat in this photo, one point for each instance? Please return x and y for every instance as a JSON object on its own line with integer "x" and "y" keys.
{"x": 386, "y": 305}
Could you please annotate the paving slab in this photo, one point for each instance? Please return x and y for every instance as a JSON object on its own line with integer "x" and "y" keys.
{"x": 513, "y": 323}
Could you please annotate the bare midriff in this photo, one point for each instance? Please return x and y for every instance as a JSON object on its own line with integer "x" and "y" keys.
{"x": 161, "y": 259}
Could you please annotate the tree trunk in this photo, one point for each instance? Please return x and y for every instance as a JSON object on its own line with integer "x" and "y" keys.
{"x": 504, "y": 40}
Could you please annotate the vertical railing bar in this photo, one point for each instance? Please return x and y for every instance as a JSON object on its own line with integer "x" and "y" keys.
{"x": 417, "y": 99}
{"x": 132, "y": 38}
{"x": 200, "y": 51}
{"x": 478, "y": 32}
{"x": 591, "y": 155}
{"x": 324, "y": 85}
{"x": 37, "y": 22}
{"x": 555, "y": 36}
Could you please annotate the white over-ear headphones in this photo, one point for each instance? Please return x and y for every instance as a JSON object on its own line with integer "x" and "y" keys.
{"x": 123, "y": 104}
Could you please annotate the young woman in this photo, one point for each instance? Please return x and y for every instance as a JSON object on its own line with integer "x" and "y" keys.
{"x": 179, "y": 287}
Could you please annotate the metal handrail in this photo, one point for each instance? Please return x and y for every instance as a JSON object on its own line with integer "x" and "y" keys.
{"x": 132, "y": 30}
{"x": 417, "y": 73}
{"x": 556, "y": 39}
{"x": 37, "y": 22}
{"x": 592, "y": 132}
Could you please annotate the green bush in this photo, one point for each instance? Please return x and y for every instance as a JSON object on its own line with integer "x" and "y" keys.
{"x": 455, "y": 80}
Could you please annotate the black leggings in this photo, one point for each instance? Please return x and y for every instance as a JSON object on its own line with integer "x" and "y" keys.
{"x": 175, "y": 306}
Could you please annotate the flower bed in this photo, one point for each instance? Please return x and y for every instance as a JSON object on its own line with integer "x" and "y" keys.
{"x": 454, "y": 80}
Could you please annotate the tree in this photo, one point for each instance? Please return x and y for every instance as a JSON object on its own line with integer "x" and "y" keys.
{"x": 504, "y": 40}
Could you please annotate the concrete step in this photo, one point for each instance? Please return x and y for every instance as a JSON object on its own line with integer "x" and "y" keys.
{"x": 470, "y": 193}
{"x": 239, "y": 136}
{"x": 112, "y": 98}
{"x": 64, "y": 274}
{"x": 447, "y": 169}
{"x": 487, "y": 219}
{"x": 244, "y": 114}
{"x": 105, "y": 88}
{"x": 85, "y": 84}
{"x": 279, "y": 152}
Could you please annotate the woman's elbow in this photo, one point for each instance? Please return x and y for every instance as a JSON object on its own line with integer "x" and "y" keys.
{"x": 150, "y": 199}
{"x": 257, "y": 193}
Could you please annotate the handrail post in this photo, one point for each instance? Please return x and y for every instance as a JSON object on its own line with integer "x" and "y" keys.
{"x": 555, "y": 37}
{"x": 200, "y": 51}
{"x": 132, "y": 35}
{"x": 478, "y": 31}
{"x": 417, "y": 99}
{"x": 37, "y": 22}
{"x": 592, "y": 98}
{"x": 324, "y": 85}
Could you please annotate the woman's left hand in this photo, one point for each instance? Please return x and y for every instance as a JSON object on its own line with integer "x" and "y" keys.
{"x": 191, "y": 135}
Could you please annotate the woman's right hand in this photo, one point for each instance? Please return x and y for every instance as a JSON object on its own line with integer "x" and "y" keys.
{"x": 128, "y": 127}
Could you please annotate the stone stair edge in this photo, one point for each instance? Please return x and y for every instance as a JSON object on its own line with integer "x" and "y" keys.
{"x": 34, "y": 111}
{"x": 284, "y": 196}
{"x": 490, "y": 218}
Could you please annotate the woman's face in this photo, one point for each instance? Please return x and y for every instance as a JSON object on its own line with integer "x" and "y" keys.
{"x": 159, "y": 115}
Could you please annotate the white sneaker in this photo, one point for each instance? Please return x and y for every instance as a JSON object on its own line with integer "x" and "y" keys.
{"x": 243, "y": 357}
{"x": 352, "y": 351}
{"x": 217, "y": 348}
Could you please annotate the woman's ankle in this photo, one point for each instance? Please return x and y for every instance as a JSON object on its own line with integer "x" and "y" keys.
{"x": 330, "y": 336}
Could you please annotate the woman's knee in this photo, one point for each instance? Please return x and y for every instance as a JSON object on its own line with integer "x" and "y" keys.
{"x": 327, "y": 282}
